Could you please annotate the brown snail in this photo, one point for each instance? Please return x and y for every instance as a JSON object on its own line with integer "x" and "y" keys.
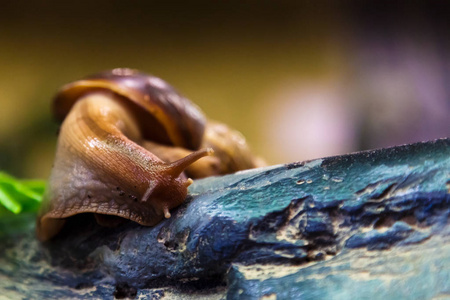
{"x": 125, "y": 141}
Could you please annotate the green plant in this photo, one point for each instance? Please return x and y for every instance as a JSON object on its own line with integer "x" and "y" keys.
{"x": 19, "y": 196}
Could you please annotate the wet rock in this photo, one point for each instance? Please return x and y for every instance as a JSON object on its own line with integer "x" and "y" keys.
{"x": 372, "y": 224}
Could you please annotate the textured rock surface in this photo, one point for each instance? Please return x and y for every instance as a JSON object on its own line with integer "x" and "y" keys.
{"x": 369, "y": 225}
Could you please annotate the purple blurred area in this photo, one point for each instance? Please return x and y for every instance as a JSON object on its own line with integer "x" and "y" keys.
{"x": 402, "y": 66}
{"x": 300, "y": 80}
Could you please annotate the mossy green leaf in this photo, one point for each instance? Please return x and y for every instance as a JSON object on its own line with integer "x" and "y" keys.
{"x": 20, "y": 196}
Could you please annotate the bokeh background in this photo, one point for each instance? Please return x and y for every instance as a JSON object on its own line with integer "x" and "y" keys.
{"x": 300, "y": 80}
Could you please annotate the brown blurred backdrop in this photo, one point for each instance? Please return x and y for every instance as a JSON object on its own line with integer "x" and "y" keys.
{"x": 300, "y": 80}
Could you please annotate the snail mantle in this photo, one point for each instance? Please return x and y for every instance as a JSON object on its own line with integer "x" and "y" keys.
{"x": 372, "y": 224}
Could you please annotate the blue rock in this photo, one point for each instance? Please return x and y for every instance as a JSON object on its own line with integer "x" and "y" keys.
{"x": 368, "y": 225}
{"x": 380, "y": 240}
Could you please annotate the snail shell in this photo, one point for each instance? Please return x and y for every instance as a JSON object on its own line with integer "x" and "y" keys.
{"x": 164, "y": 115}
{"x": 126, "y": 138}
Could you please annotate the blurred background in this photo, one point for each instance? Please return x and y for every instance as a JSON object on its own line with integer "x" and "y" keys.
{"x": 300, "y": 80}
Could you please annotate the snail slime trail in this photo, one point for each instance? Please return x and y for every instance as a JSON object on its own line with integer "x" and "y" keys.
{"x": 128, "y": 147}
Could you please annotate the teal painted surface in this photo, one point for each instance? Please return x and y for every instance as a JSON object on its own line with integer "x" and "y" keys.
{"x": 414, "y": 272}
{"x": 369, "y": 225}
{"x": 257, "y": 192}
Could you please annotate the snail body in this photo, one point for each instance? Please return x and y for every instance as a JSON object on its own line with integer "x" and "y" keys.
{"x": 103, "y": 164}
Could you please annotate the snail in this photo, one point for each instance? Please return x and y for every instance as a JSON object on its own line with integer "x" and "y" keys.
{"x": 126, "y": 142}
